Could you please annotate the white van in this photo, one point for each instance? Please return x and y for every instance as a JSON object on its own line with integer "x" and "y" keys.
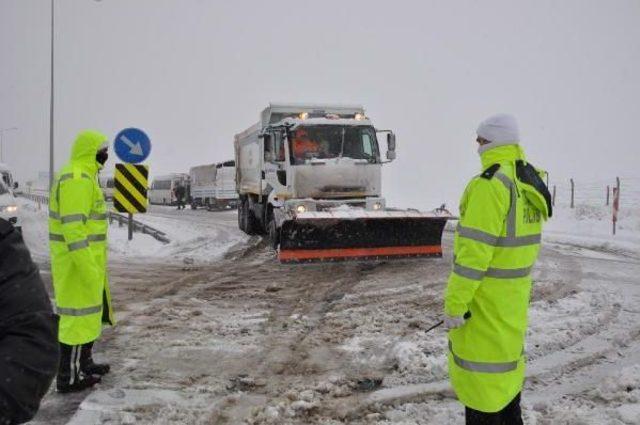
{"x": 162, "y": 188}
{"x": 9, "y": 209}
{"x": 107, "y": 184}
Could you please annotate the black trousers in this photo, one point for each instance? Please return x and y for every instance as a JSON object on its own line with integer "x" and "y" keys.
{"x": 73, "y": 359}
{"x": 510, "y": 415}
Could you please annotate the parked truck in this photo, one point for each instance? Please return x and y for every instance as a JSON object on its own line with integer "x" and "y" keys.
{"x": 226, "y": 193}
{"x": 309, "y": 176}
{"x": 213, "y": 186}
{"x": 203, "y": 185}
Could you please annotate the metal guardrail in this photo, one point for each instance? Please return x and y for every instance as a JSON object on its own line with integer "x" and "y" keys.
{"x": 39, "y": 199}
{"x": 122, "y": 220}
{"x": 138, "y": 226}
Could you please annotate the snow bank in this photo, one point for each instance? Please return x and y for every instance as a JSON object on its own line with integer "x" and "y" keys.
{"x": 590, "y": 226}
{"x": 194, "y": 238}
{"x": 192, "y": 241}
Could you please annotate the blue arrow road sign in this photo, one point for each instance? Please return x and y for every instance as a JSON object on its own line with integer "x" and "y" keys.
{"x": 132, "y": 145}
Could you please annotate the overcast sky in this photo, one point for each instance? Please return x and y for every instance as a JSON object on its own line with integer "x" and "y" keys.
{"x": 192, "y": 73}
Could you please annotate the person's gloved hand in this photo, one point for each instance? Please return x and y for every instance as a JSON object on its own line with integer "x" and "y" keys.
{"x": 453, "y": 322}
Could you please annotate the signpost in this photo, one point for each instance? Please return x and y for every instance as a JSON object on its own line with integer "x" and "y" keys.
{"x": 616, "y": 204}
{"x": 131, "y": 181}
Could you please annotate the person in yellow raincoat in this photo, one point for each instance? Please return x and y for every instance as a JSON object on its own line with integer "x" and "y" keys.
{"x": 78, "y": 245}
{"x": 496, "y": 245}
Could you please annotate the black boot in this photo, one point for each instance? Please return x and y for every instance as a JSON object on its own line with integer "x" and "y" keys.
{"x": 70, "y": 376}
{"x": 88, "y": 366}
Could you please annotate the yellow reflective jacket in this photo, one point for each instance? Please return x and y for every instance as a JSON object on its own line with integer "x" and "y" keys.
{"x": 495, "y": 247}
{"x": 78, "y": 244}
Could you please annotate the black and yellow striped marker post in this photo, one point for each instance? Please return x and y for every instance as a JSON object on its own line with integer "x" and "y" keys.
{"x": 131, "y": 182}
{"x": 130, "y": 188}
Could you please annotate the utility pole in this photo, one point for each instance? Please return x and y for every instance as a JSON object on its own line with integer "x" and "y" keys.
{"x": 51, "y": 151}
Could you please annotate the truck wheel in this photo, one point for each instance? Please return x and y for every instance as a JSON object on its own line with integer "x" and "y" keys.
{"x": 241, "y": 220}
{"x": 250, "y": 223}
{"x": 273, "y": 232}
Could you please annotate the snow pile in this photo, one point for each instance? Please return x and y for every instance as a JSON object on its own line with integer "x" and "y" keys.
{"x": 408, "y": 356}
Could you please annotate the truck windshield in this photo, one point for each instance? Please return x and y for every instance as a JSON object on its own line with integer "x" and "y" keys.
{"x": 333, "y": 141}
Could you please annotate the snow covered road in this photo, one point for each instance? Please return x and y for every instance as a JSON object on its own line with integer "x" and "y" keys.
{"x": 235, "y": 337}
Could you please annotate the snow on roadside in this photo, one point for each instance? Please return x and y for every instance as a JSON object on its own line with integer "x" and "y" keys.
{"x": 35, "y": 228}
{"x": 191, "y": 241}
{"x": 590, "y": 226}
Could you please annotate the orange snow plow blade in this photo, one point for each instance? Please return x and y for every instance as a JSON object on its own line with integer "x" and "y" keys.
{"x": 360, "y": 235}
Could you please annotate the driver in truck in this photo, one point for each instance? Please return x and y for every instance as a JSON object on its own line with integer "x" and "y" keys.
{"x": 303, "y": 146}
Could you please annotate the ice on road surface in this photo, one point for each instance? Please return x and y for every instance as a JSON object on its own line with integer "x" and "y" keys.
{"x": 212, "y": 330}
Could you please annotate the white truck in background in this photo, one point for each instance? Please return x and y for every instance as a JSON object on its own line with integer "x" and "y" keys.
{"x": 203, "y": 185}
{"x": 226, "y": 193}
{"x": 309, "y": 176}
{"x": 213, "y": 186}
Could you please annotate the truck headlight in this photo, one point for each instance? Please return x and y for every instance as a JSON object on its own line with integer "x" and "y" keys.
{"x": 301, "y": 209}
{"x": 9, "y": 208}
{"x": 377, "y": 206}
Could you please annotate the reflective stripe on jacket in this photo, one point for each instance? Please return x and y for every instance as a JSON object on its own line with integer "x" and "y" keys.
{"x": 78, "y": 244}
{"x": 495, "y": 247}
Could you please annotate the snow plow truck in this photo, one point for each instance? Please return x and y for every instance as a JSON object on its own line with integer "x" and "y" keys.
{"x": 309, "y": 177}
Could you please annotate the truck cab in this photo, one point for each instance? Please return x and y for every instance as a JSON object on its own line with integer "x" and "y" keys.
{"x": 306, "y": 158}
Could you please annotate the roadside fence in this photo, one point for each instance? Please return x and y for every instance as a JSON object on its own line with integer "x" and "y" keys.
{"x": 605, "y": 193}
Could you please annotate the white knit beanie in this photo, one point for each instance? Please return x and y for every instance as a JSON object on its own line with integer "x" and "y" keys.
{"x": 499, "y": 129}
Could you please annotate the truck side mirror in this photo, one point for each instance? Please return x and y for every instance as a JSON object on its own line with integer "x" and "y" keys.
{"x": 15, "y": 185}
{"x": 391, "y": 146}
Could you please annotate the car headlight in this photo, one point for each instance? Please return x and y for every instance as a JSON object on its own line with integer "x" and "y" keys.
{"x": 377, "y": 206}
{"x": 9, "y": 208}
{"x": 301, "y": 209}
